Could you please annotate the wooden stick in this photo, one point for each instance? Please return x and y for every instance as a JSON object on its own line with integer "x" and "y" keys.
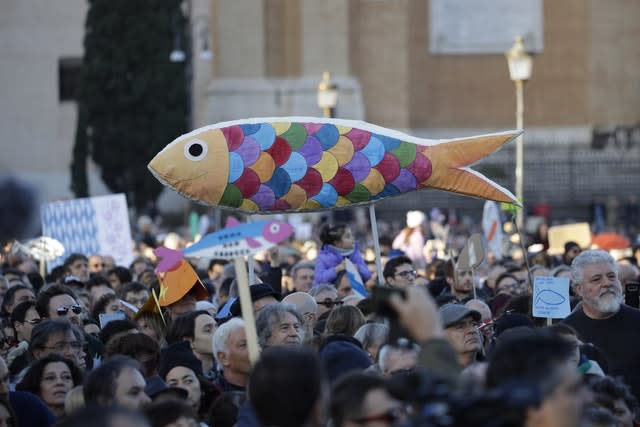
{"x": 247, "y": 310}
{"x": 376, "y": 243}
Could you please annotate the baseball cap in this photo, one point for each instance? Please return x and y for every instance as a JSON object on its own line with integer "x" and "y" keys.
{"x": 453, "y": 313}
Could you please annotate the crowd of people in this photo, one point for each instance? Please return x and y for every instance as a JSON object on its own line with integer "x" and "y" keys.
{"x": 430, "y": 342}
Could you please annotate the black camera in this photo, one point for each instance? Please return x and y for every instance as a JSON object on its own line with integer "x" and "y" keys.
{"x": 380, "y": 296}
{"x": 632, "y": 294}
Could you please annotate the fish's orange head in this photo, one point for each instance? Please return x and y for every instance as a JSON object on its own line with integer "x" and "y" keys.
{"x": 196, "y": 165}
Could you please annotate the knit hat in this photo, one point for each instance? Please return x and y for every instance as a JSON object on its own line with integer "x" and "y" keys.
{"x": 341, "y": 355}
{"x": 415, "y": 218}
{"x": 178, "y": 354}
{"x": 257, "y": 291}
{"x": 156, "y": 386}
{"x": 453, "y": 313}
{"x": 511, "y": 320}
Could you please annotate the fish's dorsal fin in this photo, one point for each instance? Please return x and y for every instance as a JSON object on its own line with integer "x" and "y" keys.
{"x": 232, "y": 222}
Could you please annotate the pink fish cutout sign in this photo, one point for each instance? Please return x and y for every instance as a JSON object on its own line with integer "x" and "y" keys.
{"x": 294, "y": 164}
{"x": 235, "y": 241}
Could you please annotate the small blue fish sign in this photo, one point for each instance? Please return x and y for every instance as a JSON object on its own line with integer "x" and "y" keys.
{"x": 551, "y": 297}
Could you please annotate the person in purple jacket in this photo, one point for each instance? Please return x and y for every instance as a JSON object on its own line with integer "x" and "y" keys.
{"x": 339, "y": 252}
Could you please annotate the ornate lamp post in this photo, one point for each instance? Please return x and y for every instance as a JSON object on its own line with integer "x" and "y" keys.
{"x": 327, "y": 95}
{"x": 520, "y": 65}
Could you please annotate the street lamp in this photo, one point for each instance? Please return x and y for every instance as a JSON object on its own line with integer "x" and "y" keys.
{"x": 327, "y": 95}
{"x": 520, "y": 64}
{"x": 183, "y": 51}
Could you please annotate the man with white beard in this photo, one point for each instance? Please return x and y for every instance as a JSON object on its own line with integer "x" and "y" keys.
{"x": 603, "y": 319}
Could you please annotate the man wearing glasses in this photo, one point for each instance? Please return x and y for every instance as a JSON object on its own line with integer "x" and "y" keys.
{"x": 58, "y": 301}
{"x": 24, "y": 318}
{"x": 399, "y": 272}
{"x": 461, "y": 330}
{"x": 57, "y": 337}
{"x": 326, "y": 296}
{"x": 359, "y": 399}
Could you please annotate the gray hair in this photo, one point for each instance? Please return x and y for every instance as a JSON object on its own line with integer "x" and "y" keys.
{"x": 387, "y": 349}
{"x": 269, "y": 316}
{"x": 301, "y": 266}
{"x": 322, "y": 288}
{"x": 593, "y": 256}
{"x": 371, "y": 333}
{"x": 221, "y": 336}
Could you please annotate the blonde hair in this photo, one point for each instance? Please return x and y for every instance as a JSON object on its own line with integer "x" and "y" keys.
{"x": 74, "y": 400}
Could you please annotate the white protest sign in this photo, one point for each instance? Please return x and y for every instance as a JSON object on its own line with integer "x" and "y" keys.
{"x": 93, "y": 225}
{"x": 551, "y": 297}
{"x": 492, "y": 228}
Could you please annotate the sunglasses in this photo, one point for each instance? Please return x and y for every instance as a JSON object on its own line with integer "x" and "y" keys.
{"x": 62, "y": 311}
{"x": 408, "y": 273}
{"x": 329, "y": 302}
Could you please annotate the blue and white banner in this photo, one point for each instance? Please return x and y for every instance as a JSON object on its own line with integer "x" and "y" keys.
{"x": 355, "y": 279}
{"x": 90, "y": 226}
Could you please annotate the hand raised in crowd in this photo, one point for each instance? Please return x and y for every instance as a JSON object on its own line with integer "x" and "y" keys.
{"x": 418, "y": 314}
{"x": 275, "y": 256}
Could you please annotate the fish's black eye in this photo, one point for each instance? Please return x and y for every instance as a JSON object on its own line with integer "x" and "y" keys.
{"x": 195, "y": 150}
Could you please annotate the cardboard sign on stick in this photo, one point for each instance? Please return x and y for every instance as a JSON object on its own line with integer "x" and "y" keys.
{"x": 472, "y": 254}
{"x": 561, "y": 234}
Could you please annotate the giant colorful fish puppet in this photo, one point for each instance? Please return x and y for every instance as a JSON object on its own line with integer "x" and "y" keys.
{"x": 293, "y": 164}
{"x": 234, "y": 241}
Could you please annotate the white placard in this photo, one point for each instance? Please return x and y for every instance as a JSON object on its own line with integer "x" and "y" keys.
{"x": 492, "y": 228}
{"x": 90, "y": 226}
{"x": 551, "y": 297}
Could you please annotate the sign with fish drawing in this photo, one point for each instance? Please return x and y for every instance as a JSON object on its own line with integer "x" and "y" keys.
{"x": 551, "y": 297}
{"x": 293, "y": 164}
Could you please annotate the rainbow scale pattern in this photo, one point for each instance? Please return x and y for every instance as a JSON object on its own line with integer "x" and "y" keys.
{"x": 305, "y": 166}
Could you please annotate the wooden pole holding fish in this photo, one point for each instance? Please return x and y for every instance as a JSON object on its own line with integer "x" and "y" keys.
{"x": 376, "y": 243}
{"x": 233, "y": 243}
{"x": 247, "y": 310}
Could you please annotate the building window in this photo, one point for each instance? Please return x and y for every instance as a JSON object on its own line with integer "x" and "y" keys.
{"x": 69, "y": 78}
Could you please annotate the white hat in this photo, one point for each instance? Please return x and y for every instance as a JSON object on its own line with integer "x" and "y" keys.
{"x": 415, "y": 218}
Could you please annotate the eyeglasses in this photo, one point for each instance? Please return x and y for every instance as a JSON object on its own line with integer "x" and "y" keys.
{"x": 62, "y": 311}
{"x": 64, "y": 345}
{"x": 407, "y": 274}
{"x": 389, "y": 416}
{"x": 462, "y": 326}
{"x": 328, "y": 302}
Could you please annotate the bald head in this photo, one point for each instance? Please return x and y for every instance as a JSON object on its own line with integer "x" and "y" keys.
{"x": 627, "y": 273}
{"x": 303, "y": 302}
